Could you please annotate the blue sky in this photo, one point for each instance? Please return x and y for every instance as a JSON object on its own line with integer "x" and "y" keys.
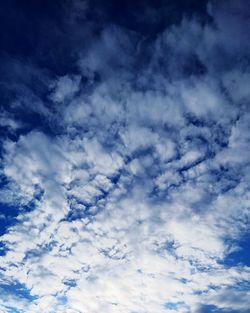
{"x": 124, "y": 146}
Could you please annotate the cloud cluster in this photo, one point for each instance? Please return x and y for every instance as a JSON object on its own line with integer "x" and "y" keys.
{"x": 135, "y": 198}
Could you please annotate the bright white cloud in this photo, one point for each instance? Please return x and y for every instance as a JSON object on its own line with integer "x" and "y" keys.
{"x": 143, "y": 193}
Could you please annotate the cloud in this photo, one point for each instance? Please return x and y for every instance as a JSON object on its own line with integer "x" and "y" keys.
{"x": 140, "y": 189}
{"x": 65, "y": 88}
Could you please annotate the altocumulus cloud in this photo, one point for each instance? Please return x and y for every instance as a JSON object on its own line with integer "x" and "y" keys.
{"x": 125, "y": 157}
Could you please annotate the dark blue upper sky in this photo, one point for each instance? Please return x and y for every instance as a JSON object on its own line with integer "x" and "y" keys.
{"x": 30, "y": 30}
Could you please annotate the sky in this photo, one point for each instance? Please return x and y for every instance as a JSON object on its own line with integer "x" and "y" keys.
{"x": 124, "y": 156}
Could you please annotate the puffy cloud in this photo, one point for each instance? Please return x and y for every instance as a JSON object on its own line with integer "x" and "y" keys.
{"x": 65, "y": 88}
{"x": 142, "y": 189}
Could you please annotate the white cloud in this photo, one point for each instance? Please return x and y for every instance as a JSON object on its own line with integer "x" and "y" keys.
{"x": 118, "y": 228}
{"x": 65, "y": 88}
